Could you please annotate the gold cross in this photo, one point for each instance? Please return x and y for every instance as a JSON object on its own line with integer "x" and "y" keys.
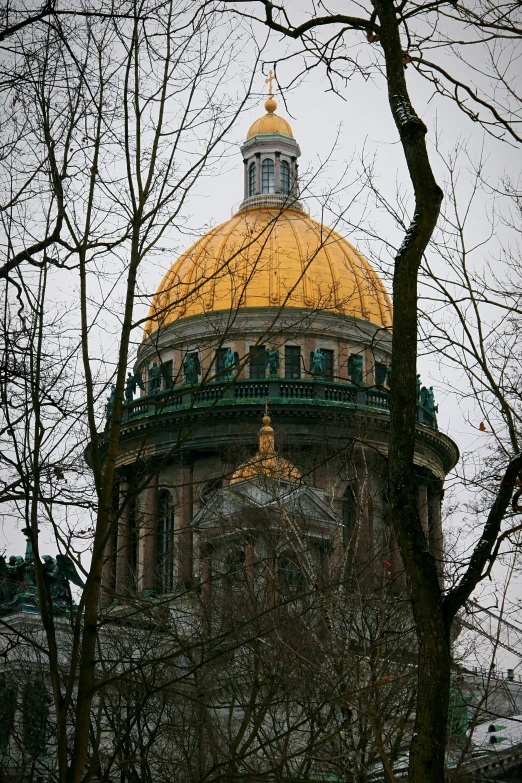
{"x": 269, "y": 81}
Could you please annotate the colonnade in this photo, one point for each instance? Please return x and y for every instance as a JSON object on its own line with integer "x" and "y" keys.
{"x": 131, "y": 555}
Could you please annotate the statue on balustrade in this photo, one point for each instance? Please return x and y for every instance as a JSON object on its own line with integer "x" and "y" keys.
{"x": 155, "y": 378}
{"x": 191, "y": 369}
{"x": 272, "y": 362}
{"x": 230, "y": 363}
{"x": 317, "y": 362}
{"x": 132, "y": 384}
{"x": 18, "y": 586}
{"x": 418, "y": 388}
{"x": 427, "y": 399}
{"x": 110, "y": 404}
{"x": 430, "y": 404}
{"x": 389, "y": 375}
{"x": 355, "y": 369}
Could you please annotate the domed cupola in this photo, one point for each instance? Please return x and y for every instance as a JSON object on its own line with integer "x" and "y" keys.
{"x": 270, "y": 155}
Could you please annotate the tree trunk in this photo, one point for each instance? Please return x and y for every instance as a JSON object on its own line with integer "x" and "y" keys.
{"x": 428, "y": 746}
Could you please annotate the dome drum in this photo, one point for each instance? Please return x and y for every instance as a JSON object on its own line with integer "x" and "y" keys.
{"x": 313, "y": 413}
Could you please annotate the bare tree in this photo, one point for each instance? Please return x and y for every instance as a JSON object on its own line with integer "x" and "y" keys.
{"x": 399, "y": 34}
{"x": 108, "y": 105}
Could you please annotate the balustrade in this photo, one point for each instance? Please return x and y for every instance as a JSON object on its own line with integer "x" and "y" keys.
{"x": 314, "y": 392}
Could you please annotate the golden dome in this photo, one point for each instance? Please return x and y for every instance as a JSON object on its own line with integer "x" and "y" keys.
{"x": 270, "y": 122}
{"x": 266, "y": 462}
{"x": 268, "y": 257}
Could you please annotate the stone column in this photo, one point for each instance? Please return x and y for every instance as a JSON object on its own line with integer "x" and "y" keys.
{"x": 246, "y": 177}
{"x": 277, "y": 179}
{"x": 122, "y": 543}
{"x": 293, "y": 175}
{"x": 107, "y": 578}
{"x": 148, "y": 538}
{"x": 185, "y": 521}
{"x": 422, "y": 507}
{"x": 250, "y": 573}
{"x": 320, "y": 477}
{"x": 227, "y": 469}
{"x": 325, "y": 555}
{"x": 258, "y": 172}
{"x": 206, "y": 586}
{"x": 435, "y": 528}
{"x": 364, "y": 556}
{"x": 397, "y": 567}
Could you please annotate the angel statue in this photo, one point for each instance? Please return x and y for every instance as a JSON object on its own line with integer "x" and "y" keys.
{"x": 230, "y": 363}
{"x": 155, "y": 378}
{"x": 60, "y": 571}
{"x": 132, "y": 384}
{"x": 110, "y": 403}
{"x": 191, "y": 368}
{"x": 272, "y": 361}
{"x": 317, "y": 362}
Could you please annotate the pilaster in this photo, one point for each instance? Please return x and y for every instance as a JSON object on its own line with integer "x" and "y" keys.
{"x": 147, "y": 574}
{"x": 185, "y": 519}
{"x": 123, "y": 581}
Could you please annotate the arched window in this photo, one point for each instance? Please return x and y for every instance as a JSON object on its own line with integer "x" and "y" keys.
{"x": 349, "y": 516}
{"x": 165, "y": 542}
{"x": 267, "y": 176}
{"x": 252, "y": 179}
{"x": 285, "y": 177}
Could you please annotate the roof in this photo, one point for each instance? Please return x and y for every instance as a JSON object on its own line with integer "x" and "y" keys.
{"x": 270, "y": 257}
{"x": 270, "y": 123}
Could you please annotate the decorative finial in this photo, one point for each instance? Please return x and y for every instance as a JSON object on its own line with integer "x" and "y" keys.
{"x": 266, "y": 417}
{"x": 270, "y": 104}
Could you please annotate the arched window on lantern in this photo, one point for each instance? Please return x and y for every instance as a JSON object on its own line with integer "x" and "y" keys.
{"x": 165, "y": 548}
{"x": 252, "y": 179}
{"x": 267, "y": 176}
{"x": 285, "y": 177}
{"x": 349, "y": 517}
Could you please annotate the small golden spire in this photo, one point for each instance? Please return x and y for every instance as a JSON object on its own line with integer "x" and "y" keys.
{"x": 266, "y": 462}
{"x": 266, "y": 434}
{"x": 270, "y": 104}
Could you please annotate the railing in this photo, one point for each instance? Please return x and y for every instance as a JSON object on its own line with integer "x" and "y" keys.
{"x": 251, "y": 390}
{"x": 297, "y": 390}
{"x": 279, "y": 201}
{"x": 282, "y": 391}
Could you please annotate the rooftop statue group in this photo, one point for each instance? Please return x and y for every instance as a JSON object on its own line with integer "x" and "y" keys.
{"x": 231, "y": 365}
{"x": 426, "y": 398}
{"x": 18, "y": 590}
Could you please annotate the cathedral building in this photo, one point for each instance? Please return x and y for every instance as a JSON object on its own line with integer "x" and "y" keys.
{"x": 270, "y": 314}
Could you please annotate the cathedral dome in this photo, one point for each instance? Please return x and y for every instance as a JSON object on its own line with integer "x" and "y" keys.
{"x": 270, "y": 253}
{"x": 270, "y": 257}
